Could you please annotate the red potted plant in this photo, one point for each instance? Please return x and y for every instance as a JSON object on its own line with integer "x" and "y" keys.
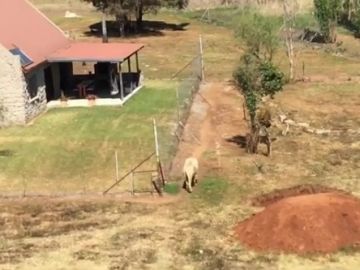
{"x": 91, "y": 99}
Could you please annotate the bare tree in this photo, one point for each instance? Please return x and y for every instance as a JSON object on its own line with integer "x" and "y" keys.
{"x": 290, "y": 7}
{"x": 2, "y": 112}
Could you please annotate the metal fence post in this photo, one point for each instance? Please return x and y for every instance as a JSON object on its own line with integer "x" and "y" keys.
{"x": 201, "y": 58}
{"x": 116, "y": 166}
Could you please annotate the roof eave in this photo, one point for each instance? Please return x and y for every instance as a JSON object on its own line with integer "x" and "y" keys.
{"x": 67, "y": 60}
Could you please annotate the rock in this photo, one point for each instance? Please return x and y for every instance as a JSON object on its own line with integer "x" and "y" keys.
{"x": 290, "y": 122}
{"x": 303, "y": 125}
{"x": 285, "y": 131}
{"x": 322, "y": 131}
{"x": 69, "y": 14}
{"x": 282, "y": 118}
{"x": 265, "y": 98}
{"x": 309, "y": 130}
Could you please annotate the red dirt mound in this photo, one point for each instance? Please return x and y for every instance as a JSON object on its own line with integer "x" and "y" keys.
{"x": 321, "y": 222}
{"x": 279, "y": 194}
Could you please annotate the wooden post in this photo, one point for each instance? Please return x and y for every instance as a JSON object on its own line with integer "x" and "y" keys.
{"x": 116, "y": 166}
{"x": 121, "y": 83}
{"x": 201, "y": 59}
{"x": 104, "y": 29}
{"x": 137, "y": 62}
{"x": 129, "y": 65}
{"x": 156, "y": 143}
{"x": 218, "y": 154}
{"x": 178, "y": 104}
{"x": 244, "y": 111}
{"x": 132, "y": 184}
{"x": 303, "y": 70}
{"x": 158, "y": 163}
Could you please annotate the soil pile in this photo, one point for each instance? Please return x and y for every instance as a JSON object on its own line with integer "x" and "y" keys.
{"x": 279, "y": 194}
{"x": 323, "y": 222}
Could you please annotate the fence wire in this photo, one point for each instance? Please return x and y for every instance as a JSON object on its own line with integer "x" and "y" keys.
{"x": 189, "y": 78}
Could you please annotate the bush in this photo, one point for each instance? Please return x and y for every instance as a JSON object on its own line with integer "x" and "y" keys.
{"x": 326, "y": 13}
{"x": 246, "y": 77}
{"x": 172, "y": 188}
{"x": 257, "y": 78}
{"x": 260, "y": 34}
{"x": 272, "y": 79}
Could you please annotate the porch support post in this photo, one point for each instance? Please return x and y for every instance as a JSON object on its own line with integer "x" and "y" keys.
{"x": 137, "y": 62}
{"x": 129, "y": 64}
{"x": 121, "y": 82}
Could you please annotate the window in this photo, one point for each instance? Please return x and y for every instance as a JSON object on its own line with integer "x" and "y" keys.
{"x": 24, "y": 59}
{"x": 32, "y": 85}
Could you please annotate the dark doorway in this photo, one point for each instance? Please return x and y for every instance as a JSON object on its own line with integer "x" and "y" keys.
{"x": 49, "y": 84}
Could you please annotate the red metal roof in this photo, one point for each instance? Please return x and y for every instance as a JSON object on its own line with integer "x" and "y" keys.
{"x": 23, "y": 26}
{"x": 95, "y": 52}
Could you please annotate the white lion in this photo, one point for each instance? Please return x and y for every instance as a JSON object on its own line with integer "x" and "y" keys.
{"x": 190, "y": 170}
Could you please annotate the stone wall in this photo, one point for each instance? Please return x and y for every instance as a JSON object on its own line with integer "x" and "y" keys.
{"x": 12, "y": 89}
{"x": 17, "y": 107}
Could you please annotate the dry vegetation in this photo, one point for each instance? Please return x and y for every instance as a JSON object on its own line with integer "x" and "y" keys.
{"x": 195, "y": 232}
{"x": 271, "y": 7}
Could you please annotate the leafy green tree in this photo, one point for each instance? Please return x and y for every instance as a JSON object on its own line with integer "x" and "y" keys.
{"x": 257, "y": 78}
{"x": 271, "y": 78}
{"x": 124, "y": 10}
{"x": 326, "y": 13}
{"x": 247, "y": 79}
{"x": 260, "y": 34}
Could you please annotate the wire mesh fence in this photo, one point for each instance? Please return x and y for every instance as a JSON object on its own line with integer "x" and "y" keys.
{"x": 189, "y": 78}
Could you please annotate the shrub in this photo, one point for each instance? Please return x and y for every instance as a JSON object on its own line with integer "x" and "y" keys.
{"x": 326, "y": 13}
{"x": 172, "y": 188}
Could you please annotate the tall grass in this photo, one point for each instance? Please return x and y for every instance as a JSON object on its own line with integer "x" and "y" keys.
{"x": 234, "y": 17}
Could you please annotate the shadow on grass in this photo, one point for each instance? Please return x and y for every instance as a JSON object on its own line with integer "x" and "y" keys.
{"x": 6, "y": 153}
{"x": 150, "y": 28}
{"x": 350, "y": 26}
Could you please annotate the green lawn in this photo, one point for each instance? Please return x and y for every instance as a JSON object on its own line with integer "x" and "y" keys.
{"x": 73, "y": 149}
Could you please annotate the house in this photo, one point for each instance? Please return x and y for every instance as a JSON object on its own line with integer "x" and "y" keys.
{"x": 39, "y": 66}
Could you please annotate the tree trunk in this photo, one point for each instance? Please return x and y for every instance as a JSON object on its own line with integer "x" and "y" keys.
{"x": 332, "y": 32}
{"x": 252, "y": 121}
{"x": 104, "y": 29}
{"x": 122, "y": 20}
{"x": 122, "y": 28}
{"x": 289, "y": 18}
{"x": 349, "y": 13}
{"x": 350, "y": 5}
{"x": 250, "y": 137}
{"x": 139, "y": 15}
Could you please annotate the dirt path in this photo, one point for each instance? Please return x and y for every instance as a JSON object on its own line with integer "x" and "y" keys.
{"x": 216, "y": 116}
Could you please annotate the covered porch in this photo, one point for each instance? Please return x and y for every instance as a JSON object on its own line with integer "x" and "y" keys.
{"x": 93, "y": 74}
